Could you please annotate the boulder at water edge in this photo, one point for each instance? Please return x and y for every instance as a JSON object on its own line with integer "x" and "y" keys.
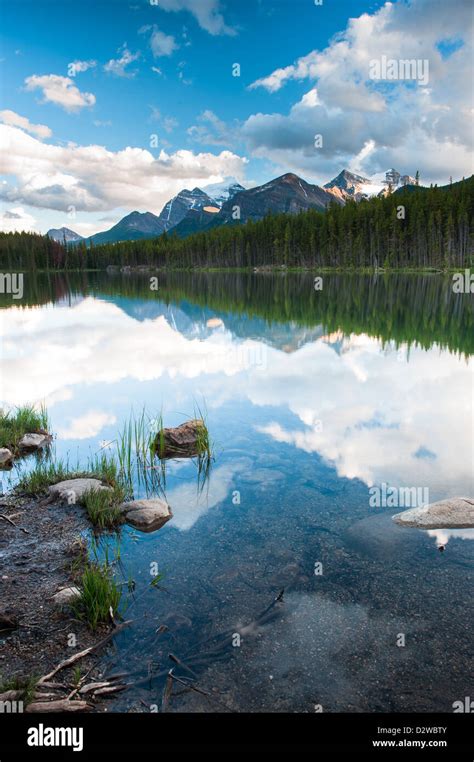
{"x": 34, "y": 441}
{"x": 73, "y": 490}
{"x": 146, "y": 515}
{"x": 183, "y": 441}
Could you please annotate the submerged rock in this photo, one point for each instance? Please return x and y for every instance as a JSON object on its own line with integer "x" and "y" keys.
{"x": 184, "y": 441}
{"x": 66, "y": 596}
{"x": 6, "y": 457}
{"x": 146, "y": 515}
{"x": 73, "y": 490}
{"x": 456, "y": 512}
{"x": 34, "y": 441}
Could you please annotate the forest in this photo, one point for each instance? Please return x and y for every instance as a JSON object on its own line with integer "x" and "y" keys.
{"x": 414, "y": 228}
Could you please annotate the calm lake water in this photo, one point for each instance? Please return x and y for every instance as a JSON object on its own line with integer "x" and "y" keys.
{"x": 312, "y": 398}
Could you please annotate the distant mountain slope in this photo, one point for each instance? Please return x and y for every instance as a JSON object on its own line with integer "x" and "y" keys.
{"x": 148, "y": 225}
{"x": 131, "y": 228}
{"x": 347, "y": 185}
{"x": 196, "y": 220}
{"x": 227, "y": 203}
{"x": 288, "y": 193}
{"x": 64, "y": 234}
{"x": 178, "y": 206}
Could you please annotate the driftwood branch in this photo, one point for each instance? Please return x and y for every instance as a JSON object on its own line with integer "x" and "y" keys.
{"x": 5, "y": 518}
{"x": 168, "y": 689}
{"x": 109, "y": 689}
{"x": 62, "y": 705}
{"x": 80, "y": 655}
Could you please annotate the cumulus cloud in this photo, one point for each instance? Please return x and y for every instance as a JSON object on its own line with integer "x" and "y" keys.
{"x": 206, "y": 12}
{"x": 92, "y": 178}
{"x": 161, "y": 44}
{"x": 410, "y": 124}
{"x": 118, "y": 66}
{"x": 16, "y": 219}
{"x": 15, "y": 120}
{"x": 88, "y": 425}
{"x": 60, "y": 90}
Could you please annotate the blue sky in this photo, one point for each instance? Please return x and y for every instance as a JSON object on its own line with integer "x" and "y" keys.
{"x": 152, "y": 105}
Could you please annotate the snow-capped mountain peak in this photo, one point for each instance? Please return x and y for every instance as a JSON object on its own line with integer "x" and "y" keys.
{"x": 222, "y": 192}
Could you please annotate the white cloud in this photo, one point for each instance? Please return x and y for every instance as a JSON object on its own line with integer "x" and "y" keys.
{"x": 211, "y": 130}
{"x": 409, "y": 125}
{"x": 118, "y": 66}
{"x": 92, "y": 178}
{"x": 16, "y": 219}
{"x": 161, "y": 44}
{"x": 206, "y": 12}
{"x": 77, "y": 67}
{"x": 188, "y": 507}
{"x": 303, "y": 68}
{"x": 88, "y": 425}
{"x": 15, "y": 120}
{"x": 60, "y": 90}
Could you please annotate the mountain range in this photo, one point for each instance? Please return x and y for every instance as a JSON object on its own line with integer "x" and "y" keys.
{"x": 229, "y": 202}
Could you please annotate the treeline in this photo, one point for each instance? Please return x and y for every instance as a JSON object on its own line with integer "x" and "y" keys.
{"x": 31, "y": 251}
{"x": 416, "y": 228}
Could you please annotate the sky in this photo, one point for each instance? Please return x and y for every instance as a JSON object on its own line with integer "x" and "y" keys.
{"x": 111, "y": 106}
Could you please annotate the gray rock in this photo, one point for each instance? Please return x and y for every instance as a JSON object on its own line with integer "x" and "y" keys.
{"x": 146, "y": 515}
{"x": 73, "y": 490}
{"x": 31, "y": 442}
{"x": 66, "y": 596}
{"x": 456, "y": 512}
{"x": 6, "y": 457}
{"x": 182, "y": 441}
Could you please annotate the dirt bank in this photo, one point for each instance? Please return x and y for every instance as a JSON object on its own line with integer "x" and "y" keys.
{"x": 42, "y": 551}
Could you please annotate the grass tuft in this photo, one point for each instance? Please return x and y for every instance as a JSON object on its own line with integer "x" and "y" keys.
{"x": 44, "y": 473}
{"x": 103, "y": 506}
{"x": 14, "y": 424}
{"x": 99, "y": 595}
{"x": 49, "y": 471}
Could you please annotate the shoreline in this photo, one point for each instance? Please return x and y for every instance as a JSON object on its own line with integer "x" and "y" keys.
{"x": 257, "y": 270}
{"x": 43, "y": 550}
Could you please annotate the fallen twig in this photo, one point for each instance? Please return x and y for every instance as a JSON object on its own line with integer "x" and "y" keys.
{"x": 167, "y": 691}
{"x": 2, "y": 516}
{"x": 62, "y": 705}
{"x": 181, "y": 664}
{"x": 80, "y": 655}
{"x": 110, "y": 689}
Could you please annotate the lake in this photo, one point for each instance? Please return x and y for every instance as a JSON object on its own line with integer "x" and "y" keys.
{"x": 286, "y": 585}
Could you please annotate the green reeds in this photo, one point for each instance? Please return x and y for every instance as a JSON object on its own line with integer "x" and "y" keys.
{"x": 103, "y": 506}
{"x": 135, "y": 453}
{"x": 15, "y": 423}
{"x": 100, "y": 595}
{"x": 45, "y": 472}
{"x": 50, "y": 470}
